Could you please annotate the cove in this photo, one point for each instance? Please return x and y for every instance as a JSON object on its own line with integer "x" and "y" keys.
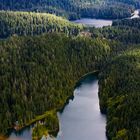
{"x": 81, "y": 119}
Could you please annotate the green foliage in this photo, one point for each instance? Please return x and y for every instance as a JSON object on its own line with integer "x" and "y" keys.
{"x": 119, "y": 79}
{"x": 126, "y": 31}
{"x": 39, "y": 131}
{"x": 28, "y": 23}
{"x": 121, "y": 135}
{"x": 48, "y": 125}
{"x": 75, "y": 8}
{"x": 119, "y": 95}
{"x": 38, "y": 74}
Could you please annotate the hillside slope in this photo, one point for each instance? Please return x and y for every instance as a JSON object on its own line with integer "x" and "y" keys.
{"x": 120, "y": 95}
{"x": 29, "y": 23}
{"x": 38, "y": 74}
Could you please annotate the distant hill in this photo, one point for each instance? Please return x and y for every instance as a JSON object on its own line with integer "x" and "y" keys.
{"x": 75, "y": 8}
{"x": 38, "y": 71}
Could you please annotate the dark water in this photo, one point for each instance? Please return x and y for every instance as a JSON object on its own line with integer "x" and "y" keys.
{"x": 98, "y": 23}
{"x": 81, "y": 118}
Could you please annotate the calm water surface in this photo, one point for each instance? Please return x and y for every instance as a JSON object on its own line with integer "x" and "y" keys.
{"x": 81, "y": 118}
{"x": 98, "y": 23}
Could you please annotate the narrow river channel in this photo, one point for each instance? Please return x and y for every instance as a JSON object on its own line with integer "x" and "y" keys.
{"x": 81, "y": 118}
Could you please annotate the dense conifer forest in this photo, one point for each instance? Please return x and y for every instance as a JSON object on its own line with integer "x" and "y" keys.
{"x": 37, "y": 74}
{"x": 119, "y": 81}
{"x": 119, "y": 95}
{"x": 42, "y": 56}
{"x": 28, "y": 23}
{"x": 73, "y": 9}
{"x": 126, "y": 31}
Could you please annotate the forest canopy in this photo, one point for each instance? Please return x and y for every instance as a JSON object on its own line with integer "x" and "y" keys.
{"x": 38, "y": 74}
{"x": 42, "y": 56}
{"x": 73, "y": 9}
{"x": 30, "y": 23}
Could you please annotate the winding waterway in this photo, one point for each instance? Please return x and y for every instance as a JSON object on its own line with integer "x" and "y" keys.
{"x": 81, "y": 118}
